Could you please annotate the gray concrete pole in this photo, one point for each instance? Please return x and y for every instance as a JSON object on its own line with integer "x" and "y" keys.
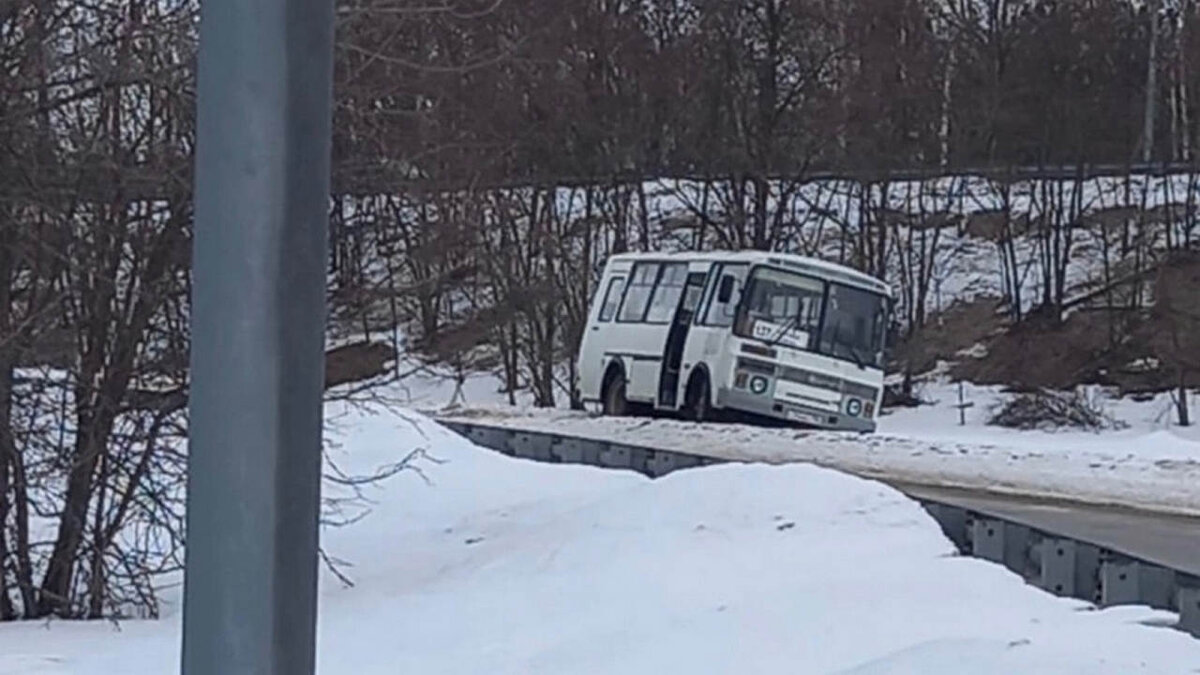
{"x": 258, "y": 316}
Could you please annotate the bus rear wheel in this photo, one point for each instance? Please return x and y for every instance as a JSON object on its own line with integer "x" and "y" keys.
{"x": 614, "y": 402}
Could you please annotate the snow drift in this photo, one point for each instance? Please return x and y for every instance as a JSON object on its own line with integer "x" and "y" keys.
{"x": 490, "y": 564}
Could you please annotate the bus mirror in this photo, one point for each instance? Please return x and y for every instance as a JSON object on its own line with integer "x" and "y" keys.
{"x": 725, "y": 290}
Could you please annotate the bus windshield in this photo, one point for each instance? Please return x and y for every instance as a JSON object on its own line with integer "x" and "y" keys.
{"x": 781, "y": 307}
{"x": 855, "y": 324}
{"x": 804, "y": 312}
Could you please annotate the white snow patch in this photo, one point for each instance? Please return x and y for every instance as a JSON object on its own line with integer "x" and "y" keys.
{"x": 506, "y": 566}
{"x": 1151, "y": 465}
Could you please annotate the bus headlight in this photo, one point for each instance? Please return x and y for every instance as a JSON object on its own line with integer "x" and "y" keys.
{"x": 854, "y": 407}
{"x": 758, "y": 384}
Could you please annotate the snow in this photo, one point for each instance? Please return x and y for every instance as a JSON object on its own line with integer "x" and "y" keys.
{"x": 1152, "y": 463}
{"x": 484, "y": 563}
{"x": 1149, "y": 465}
{"x": 1150, "y": 426}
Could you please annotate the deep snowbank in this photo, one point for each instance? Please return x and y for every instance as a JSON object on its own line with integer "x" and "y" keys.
{"x": 503, "y": 566}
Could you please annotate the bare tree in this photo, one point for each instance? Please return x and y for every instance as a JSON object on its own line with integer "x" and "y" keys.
{"x": 1176, "y": 323}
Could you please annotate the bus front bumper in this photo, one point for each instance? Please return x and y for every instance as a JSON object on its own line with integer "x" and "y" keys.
{"x": 766, "y": 406}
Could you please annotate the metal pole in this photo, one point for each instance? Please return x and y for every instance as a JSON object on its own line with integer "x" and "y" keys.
{"x": 258, "y": 315}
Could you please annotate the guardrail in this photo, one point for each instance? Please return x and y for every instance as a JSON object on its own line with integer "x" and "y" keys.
{"x": 1059, "y": 564}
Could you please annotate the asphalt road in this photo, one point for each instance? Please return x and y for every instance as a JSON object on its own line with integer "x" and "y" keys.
{"x": 1165, "y": 539}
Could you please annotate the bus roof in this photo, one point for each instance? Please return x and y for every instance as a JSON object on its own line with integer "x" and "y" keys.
{"x": 787, "y": 260}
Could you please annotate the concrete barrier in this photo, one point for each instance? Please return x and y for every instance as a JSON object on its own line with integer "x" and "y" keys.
{"x": 1070, "y": 568}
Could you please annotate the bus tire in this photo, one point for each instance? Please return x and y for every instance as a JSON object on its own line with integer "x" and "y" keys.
{"x": 613, "y": 394}
{"x": 698, "y": 399}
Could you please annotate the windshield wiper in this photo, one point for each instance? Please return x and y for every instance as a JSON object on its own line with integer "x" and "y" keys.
{"x": 787, "y": 327}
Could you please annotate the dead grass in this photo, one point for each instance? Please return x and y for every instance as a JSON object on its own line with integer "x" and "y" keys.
{"x": 1092, "y": 346}
{"x": 957, "y": 329}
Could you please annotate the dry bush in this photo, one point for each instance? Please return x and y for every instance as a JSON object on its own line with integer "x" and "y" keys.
{"x": 896, "y": 396}
{"x": 1048, "y": 410}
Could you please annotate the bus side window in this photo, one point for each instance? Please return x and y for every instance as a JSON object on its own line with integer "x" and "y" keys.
{"x": 637, "y": 294}
{"x": 667, "y": 293}
{"x": 612, "y": 297}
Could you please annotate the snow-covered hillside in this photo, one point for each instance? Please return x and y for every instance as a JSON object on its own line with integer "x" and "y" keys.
{"x": 495, "y": 565}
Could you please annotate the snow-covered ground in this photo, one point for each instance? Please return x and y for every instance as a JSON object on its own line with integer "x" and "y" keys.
{"x": 505, "y": 566}
{"x": 1150, "y": 464}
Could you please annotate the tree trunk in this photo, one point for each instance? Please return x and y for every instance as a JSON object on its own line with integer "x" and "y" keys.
{"x": 511, "y": 364}
{"x": 759, "y": 237}
{"x": 879, "y": 264}
{"x": 643, "y": 217}
{"x": 1181, "y": 404}
{"x": 1181, "y": 89}
{"x": 56, "y": 593}
{"x": 7, "y": 447}
{"x": 547, "y": 359}
{"x": 1151, "y": 84}
{"x": 96, "y": 586}
{"x": 946, "y": 108}
{"x": 576, "y": 401}
{"x": 23, "y": 552}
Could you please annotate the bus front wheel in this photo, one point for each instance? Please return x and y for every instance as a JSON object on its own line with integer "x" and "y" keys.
{"x": 698, "y": 404}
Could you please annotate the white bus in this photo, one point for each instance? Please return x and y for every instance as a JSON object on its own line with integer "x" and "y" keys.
{"x": 766, "y": 334}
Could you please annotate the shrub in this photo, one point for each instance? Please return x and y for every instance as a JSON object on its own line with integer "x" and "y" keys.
{"x": 1046, "y": 410}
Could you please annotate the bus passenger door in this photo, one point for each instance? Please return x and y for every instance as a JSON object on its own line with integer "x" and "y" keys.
{"x": 689, "y": 301}
{"x": 708, "y": 343}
